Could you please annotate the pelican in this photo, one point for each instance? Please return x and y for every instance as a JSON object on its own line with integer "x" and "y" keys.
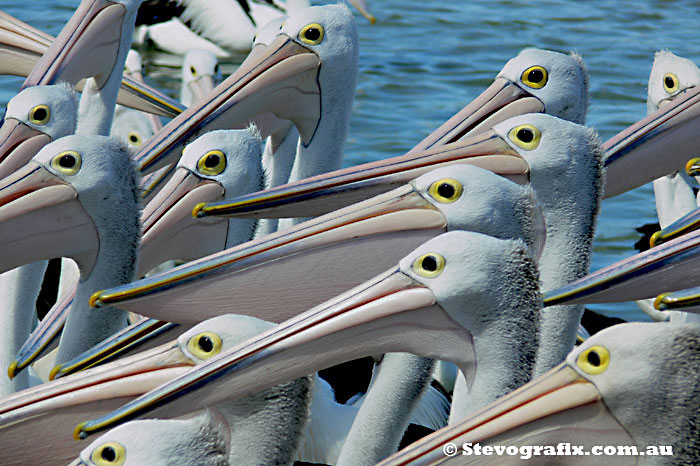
{"x": 200, "y": 74}
{"x": 463, "y": 297}
{"x": 78, "y": 204}
{"x": 670, "y": 76}
{"x": 633, "y": 385}
{"x": 534, "y": 81}
{"x": 219, "y": 163}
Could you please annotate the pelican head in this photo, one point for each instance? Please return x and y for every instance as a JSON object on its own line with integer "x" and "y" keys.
{"x": 632, "y": 384}
{"x": 200, "y": 74}
{"x": 366, "y": 237}
{"x": 200, "y": 441}
{"x": 61, "y": 203}
{"x": 458, "y": 297}
{"x": 132, "y": 127}
{"x": 133, "y": 66}
{"x": 663, "y": 141}
{"x": 217, "y": 165}
{"x": 35, "y": 117}
{"x": 287, "y": 80}
{"x": 670, "y": 76}
{"x": 535, "y": 80}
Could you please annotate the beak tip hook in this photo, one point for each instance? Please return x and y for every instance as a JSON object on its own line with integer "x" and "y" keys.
{"x": 12, "y": 370}
{"x": 659, "y": 303}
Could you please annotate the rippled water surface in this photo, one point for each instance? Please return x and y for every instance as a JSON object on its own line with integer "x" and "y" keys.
{"x": 424, "y": 60}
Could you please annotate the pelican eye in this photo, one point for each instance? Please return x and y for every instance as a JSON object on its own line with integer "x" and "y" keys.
{"x": 205, "y": 345}
{"x": 67, "y": 162}
{"x": 594, "y": 360}
{"x": 446, "y": 190}
{"x": 311, "y": 34}
{"x": 212, "y": 163}
{"x": 109, "y": 454}
{"x": 535, "y": 77}
{"x": 39, "y": 115}
{"x": 216, "y": 69}
{"x": 670, "y": 83}
{"x": 193, "y": 70}
{"x": 525, "y": 136}
{"x": 429, "y": 265}
{"x": 134, "y": 138}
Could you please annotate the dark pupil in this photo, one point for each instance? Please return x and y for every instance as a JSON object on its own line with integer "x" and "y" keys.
{"x": 535, "y": 76}
{"x": 40, "y": 114}
{"x": 669, "y": 82}
{"x": 211, "y": 161}
{"x": 446, "y": 190}
{"x": 525, "y": 135}
{"x": 594, "y": 359}
{"x": 108, "y": 454}
{"x": 133, "y": 138}
{"x": 216, "y": 69}
{"x": 430, "y": 264}
{"x": 67, "y": 161}
{"x": 205, "y": 344}
{"x": 312, "y": 34}
{"x": 192, "y": 70}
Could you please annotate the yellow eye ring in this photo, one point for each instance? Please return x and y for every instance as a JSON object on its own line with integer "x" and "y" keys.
{"x": 109, "y": 454}
{"x": 535, "y": 77}
{"x": 525, "y": 136}
{"x": 670, "y": 82}
{"x": 594, "y": 360}
{"x": 311, "y": 34}
{"x": 205, "y": 345}
{"x": 212, "y": 163}
{"x": 429, "y": 265}
{"x": 134, "y": 138}
{"x": 193, "y": 71}
{"x": 446, "y": 190}
{"x": 40, "y": 115}
{"x": 67, "y": 162}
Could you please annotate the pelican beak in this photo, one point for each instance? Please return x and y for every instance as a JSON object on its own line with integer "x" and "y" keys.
{"x": 151, "y": 331}
{"x": 544, "y": 412}
{"x": 668, "y": 267}
{"x": 632, "y": 156}
{"x": 336, "y": 252}
{"x": 44, "y": 338}
{"x": 21, "y": 46}
{"x": 19, "y": 144}
{"x": 501, "y": 100}
{"x": 281, "y": 79}
{"x": 52, "y": 409}
{"x": 390, "y": 312}
{"x": 87, "y": 46}
{"x": 327, "y": 192}
{"x": 170, "y": 232}
{"x": 685, "y": 300}
{"x": 41, "y": 218}
{"x": 687, "y": 223}
{"x": 361, "y": 6}
{"x": 201, "y": 87}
